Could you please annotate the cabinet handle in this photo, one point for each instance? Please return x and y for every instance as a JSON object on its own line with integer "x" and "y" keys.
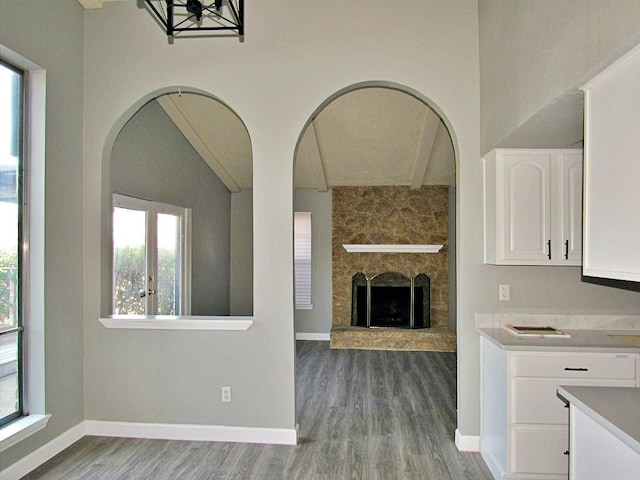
{"x": 573, "y": 369}
{"x": 566, "y": 452}
{"x": 566, "y": 249}
{"x": 549, "y": 249}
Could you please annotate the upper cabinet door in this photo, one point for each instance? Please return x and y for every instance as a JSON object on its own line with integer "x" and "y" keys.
{"x": 525, "y": 208}
{"x": 571, "y": 219}
{"x": 533, "y": 207}
{"x": 612, "y": 171}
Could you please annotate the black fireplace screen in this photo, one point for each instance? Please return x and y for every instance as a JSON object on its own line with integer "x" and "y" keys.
{"x": 390, "y": 300}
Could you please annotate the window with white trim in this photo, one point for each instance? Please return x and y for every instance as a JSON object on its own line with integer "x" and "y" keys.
{"x": 12, "y": 238}
{"x": 150, "y": 262}
{"x": 22, "y": 125}
{"x": 302, "y": 260}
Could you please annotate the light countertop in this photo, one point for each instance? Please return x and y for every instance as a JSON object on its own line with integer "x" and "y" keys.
{"x": 617, "y": 409}
{"x": 580, "y": 340}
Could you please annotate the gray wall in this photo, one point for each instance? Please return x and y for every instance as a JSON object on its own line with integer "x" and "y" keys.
{"x": 433, "y": 49}
{"x": 242, "y": 252}
{"x": 50, "y": 34}
{"x": 534, "y": 56}
{"x": 453, "y": 290}
{"x": 152, "y": 160}
{"x": 318, "y": 319}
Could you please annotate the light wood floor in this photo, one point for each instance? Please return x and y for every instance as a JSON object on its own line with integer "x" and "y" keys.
{"x": 362, "y": 414}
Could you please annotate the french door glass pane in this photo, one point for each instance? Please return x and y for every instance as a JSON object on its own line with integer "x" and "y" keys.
{"x": 168, "y": 264}
{"x": 129, "y": 261}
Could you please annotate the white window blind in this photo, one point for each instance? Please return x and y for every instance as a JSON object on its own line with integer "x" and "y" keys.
{"x": 302, "y": 259}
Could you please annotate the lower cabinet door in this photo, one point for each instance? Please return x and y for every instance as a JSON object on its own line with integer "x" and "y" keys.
{"x": 536, "y": 402}
{"x": 540, "y": 451}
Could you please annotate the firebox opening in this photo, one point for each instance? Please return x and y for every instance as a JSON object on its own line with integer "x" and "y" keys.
{"x": 390, "y": 300}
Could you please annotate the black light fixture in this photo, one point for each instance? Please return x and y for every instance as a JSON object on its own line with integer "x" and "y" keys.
{"x": 195, "y": 7}
{"x": 199, "y": 18}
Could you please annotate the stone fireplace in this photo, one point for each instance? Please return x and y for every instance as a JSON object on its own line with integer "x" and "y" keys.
{"x": 390, "y": 216}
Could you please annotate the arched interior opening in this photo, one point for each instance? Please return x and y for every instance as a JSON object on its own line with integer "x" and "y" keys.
{"x": 179, "y": 148}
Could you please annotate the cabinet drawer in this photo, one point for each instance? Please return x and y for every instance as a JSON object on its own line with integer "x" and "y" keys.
{"x": 613, "y": 367}
{"x": 540, "y": 451}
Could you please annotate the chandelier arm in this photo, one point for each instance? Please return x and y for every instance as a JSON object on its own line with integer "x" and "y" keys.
{"x": 161, "y": 16}
{"x": 234, "y": 12}
{"x": 219, "y": 15}
{"x": 177, "y": 25}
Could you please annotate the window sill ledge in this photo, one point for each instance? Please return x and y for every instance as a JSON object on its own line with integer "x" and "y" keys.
{"x": 20, "y": 429}
{"x": 168, "y": 322}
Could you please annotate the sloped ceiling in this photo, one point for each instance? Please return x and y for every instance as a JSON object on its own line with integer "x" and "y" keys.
{"x": 216, "y": 133}
{"x": 367, "y": 137}
{"x": 375, "y": 137}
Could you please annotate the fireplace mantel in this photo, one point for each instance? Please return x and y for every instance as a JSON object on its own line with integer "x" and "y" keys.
{"x": 391, "y": 248}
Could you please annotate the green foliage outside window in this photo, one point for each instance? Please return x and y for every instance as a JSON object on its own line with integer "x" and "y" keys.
{"x": 130, "y": 281}
{"x": 8, "y": 286}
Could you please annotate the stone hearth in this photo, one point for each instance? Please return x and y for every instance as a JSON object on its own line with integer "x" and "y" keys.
{"x": 435, "y": 339}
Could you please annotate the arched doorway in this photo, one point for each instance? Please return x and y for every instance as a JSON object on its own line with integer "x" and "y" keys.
{"x": 368, "y": 147}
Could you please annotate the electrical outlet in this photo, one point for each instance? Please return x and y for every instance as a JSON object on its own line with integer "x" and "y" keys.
{"x": 504, "y": 294}
{"x": 226, "y": 394}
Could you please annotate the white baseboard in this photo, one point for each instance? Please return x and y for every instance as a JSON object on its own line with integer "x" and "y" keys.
{"x": 494, "y": 466}
{"x": 199, "y": 433}
{"x": 321, "y": 337}
{"x": 467, "y": 443}
{"x": 44, "y": 453}
{"x": 156, "y": 431}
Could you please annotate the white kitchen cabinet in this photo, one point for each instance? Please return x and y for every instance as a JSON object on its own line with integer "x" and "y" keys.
{"x": 524, "y": 425}
{"x": 533, "y": 207}
{"x": 612, "y": 170}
